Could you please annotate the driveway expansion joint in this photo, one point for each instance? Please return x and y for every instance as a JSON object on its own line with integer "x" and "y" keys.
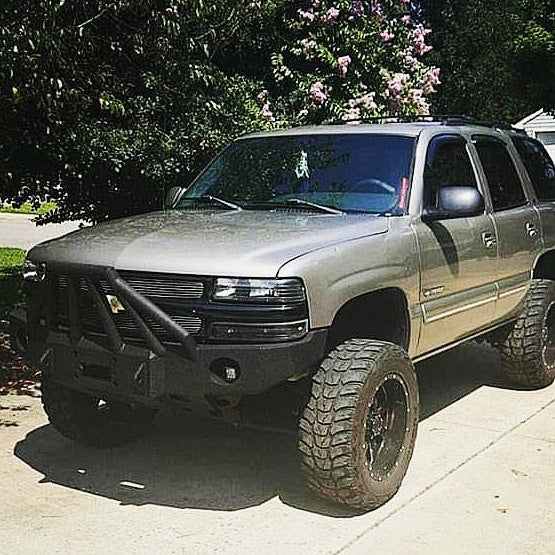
{"x": 442, "y": 478}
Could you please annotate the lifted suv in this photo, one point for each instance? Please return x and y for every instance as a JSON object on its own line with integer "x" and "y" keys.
{"x": 338, "y": 255}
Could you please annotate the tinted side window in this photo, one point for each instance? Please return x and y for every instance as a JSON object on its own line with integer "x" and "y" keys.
{"x": 503, "y": 180}
{"x": 539, "y": 166}
{"x": 447, "y": 165}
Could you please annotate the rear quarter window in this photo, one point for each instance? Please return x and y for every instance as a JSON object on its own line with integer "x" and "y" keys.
{"x": 539, "y": 165}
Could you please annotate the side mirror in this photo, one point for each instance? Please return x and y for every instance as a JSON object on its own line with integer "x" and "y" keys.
{"x": 455, "y": 202}
{"x": 172, "y": 196}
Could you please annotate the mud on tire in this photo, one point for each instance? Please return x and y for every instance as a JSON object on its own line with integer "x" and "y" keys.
{"x": 85, "y": 419}
{"x": 527, "y": 347}
{"x": 353, "y": 451}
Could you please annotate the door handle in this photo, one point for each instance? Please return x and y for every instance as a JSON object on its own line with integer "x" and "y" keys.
{"x": 531, "y": 229}
{"x": 489, "y": 240}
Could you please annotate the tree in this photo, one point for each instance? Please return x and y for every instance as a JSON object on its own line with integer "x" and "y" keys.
{"x": 497, "y": 57}
{"x": 347, "y": 59}
{"x": 105, "y": 104}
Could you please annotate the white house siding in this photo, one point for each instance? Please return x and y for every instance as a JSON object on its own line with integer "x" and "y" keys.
{"x": 541, "y": 126}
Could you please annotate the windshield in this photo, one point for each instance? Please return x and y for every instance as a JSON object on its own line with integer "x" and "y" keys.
{"x": 351, "y": 172}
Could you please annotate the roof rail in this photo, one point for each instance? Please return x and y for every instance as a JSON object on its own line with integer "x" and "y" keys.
{"x": 443, "y": 119}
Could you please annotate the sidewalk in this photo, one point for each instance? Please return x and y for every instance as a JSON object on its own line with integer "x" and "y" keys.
{"x": 19, "y": 230}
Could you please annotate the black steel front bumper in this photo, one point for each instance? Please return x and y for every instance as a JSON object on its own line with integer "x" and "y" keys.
{"x": 150, "y": 372}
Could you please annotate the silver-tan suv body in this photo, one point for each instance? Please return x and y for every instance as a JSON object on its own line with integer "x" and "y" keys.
{"x": 294, "y": 255}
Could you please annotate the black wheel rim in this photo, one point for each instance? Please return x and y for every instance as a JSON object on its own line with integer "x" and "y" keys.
{"x": 548, "y": 336}
{"x": 386, "y": 427}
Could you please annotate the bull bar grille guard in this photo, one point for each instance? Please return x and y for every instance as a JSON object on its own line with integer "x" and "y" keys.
{"x": 137, "y": 305}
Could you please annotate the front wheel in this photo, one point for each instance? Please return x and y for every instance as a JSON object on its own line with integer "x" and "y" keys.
{"x": 89, "y": 420}
{"x": 358, "y": 430}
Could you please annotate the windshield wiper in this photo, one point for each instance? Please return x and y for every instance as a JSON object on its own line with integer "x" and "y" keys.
{"x": 307, "y": 203}
{"x": 221, "y": 201}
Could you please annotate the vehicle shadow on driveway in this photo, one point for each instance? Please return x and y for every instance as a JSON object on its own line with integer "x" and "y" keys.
{"x": 187, "y": 463}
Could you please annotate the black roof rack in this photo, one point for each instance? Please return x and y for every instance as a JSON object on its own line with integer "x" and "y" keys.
{"x": 443, "y": 119}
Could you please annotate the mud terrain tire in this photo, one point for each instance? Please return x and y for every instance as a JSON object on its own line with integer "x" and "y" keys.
{"x": 339, "y": 438}
{"x": 528, "y": 346}
{"x": 82, "y": 418}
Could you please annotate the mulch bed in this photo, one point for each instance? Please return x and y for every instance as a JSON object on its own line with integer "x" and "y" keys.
{"x": 16, "y": 377}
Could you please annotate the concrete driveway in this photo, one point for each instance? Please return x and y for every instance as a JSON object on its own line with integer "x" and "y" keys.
{"x": 19, "y": 230}
{"x": 482, "y": 480}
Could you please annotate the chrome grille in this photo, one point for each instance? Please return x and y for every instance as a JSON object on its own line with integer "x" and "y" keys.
{"x": 163, "y": 286}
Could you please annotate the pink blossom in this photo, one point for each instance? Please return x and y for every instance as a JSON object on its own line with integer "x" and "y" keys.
{"x": 331, "y": 15}
{"x": 262, "y": 96}
{"x": 343, "y": 65}
{"x": 308, "y": 16}
{"x": 420, "y": 46}
{"x": 267, "y": 112}
{"x": 317, "y": 93}
{"x": 263, "y": 99}
{"x": 366, "y": 102}
{"x": 309, "y": 46}
{"x": 352, "y": 115}
{"x": 410, "y": 61}
{"x": 396, "y": 85}
{"x": 357, "y": 9}
{"x": 377, "y": 9}
{"x": 431, "y": 80}
{"x": 406, "y": 19}
{"x": 420, "y": 103}
{"x": 387, "y": 35}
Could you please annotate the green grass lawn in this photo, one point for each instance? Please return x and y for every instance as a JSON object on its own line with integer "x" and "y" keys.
{"x": 16, "y": 376}
{"x": 27, "y": 208}
{"x": 11, "y": 261}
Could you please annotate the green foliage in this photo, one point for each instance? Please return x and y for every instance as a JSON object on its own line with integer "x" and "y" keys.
{"x": 497, "y": 57}
{"x": 11, "y": 261}
{"x": 105, "y": 104}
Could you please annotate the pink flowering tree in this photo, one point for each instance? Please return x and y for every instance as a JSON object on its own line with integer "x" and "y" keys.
{"x": 349, "y": 59}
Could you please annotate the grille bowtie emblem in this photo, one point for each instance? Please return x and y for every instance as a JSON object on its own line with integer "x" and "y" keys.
{"x": 115, "y": 305}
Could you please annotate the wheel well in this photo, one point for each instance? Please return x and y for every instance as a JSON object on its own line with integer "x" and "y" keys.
{"x": 380, "y": 315}
{"x": 545, "y": 266}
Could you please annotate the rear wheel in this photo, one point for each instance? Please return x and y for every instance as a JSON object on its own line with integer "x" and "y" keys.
{"x": 527, "y": 347}
{"x": 90, "y": 420}
{"x": 358, "y": 430}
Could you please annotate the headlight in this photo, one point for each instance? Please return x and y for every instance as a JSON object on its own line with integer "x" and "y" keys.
{"x": 34, "y": 272}
{"x": 270, "y": 291}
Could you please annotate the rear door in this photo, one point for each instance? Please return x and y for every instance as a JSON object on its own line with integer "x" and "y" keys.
{"x": 516, "y": 222}
{"x": 541, "y": 171}
{"x": 458, "y": 256}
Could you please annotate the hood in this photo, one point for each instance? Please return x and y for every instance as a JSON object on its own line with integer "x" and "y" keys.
{"x": 213, "y": 242}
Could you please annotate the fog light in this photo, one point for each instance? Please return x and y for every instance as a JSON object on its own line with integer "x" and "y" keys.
{"x": 226, "y": 369}
{"x": 260, "y": 332}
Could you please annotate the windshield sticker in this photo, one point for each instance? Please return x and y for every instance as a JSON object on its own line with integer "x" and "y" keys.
{"x": 302, "y": 169}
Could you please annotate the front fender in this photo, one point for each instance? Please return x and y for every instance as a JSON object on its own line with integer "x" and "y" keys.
{"x": 337, "y": 274}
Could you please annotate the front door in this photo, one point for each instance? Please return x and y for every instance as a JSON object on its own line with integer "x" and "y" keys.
{"x": 458, "y": 256}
